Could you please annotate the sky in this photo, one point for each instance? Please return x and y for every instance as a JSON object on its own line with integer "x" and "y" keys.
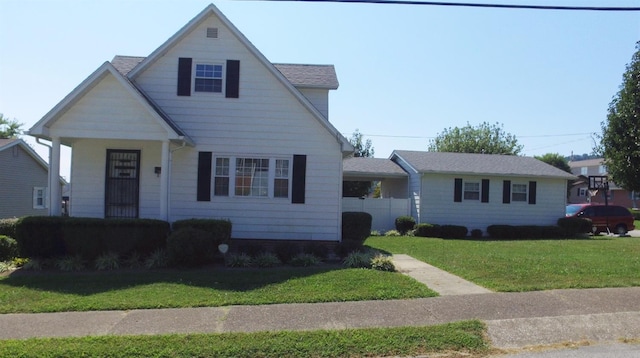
{"x": 406, "y": 72}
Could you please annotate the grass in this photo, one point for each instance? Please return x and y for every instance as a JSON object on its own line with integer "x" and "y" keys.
{"x": 462, "y": 337}
{"x": 124, "y": 290}
{"x": 527, "y": 265}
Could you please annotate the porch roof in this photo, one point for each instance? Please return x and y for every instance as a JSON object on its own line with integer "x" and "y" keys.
{"x": 358, "y": 167}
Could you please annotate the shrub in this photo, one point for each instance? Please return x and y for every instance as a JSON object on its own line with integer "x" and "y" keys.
{"x": 238, "y": 260}
{"x": 358, "y": 259}
{"x": 8, "y": 248}
{"x": 634, "y": 212}
{"x": 70, "y": 263}
{"x": 573, "y": 226}
{"x": 8, "y": 227}
{"x": 392, "y": 233}
{"x": 285, "y": 251}
{"x": 427, "y": 230}
{"x": 108, "y": 261}
{"x": 189, "y": 247}
{"x": 158, "y": 259}
{"x": 404, "y": 224}
{"x": 219, "y": 231}
{"x": 133, "y": 261}
{"x": 19, "y": 261}
{"x": 374, "y": 233}
{"x": 250, "y": 249}
{"x": 6, "y": 266}
{"x": 501, "y": 231}
{"x": 266, "y": 259}
{"x": 40, "y": 236}
{"x": 34, "y": 264}
{"x": 476, "y": 233}
{"x": 304, "y": 260}
{"x": 382, "y": 263}
{"x": 344, "y": 248}
{"x": 316, "y": 249}
{"x": 453, "y": 232}
{"x": 356, "y": 226}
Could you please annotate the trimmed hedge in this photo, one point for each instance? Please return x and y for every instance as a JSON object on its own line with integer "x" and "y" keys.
{"x": 51, "y": 236}
{"x": 573, "y": 226}
{"x": 8, "y": 248}
{"x": 427, "y": 230}
{"x": 453, "y": 232}
{"x": 8, "y": 227}
{"x": 219, "y": 231}
{"x": 405, "y": 224}
{"x": 356, "y": 226}
{"x": 40, "y": 236}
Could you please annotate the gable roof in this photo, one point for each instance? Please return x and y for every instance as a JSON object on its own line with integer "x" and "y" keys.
{"x": 372, "y": 167}
{"x": 41, "y": 128}
{"x": 12, "y": 142}
{"x": 346, "y": 147}
{"x": 587, "y": 163}
{"x": 484, "y": 164}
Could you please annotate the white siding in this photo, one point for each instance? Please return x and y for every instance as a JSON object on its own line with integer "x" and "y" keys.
{"x": 394, "y": 188}
{"x": 319, "y": 98}
{"x": 414, "y": 188}
{"x": 88, "y": 175}
{"x": 438, "y": 206}
{"x": 383, "y": 211}
{"x": 265, "y": 121}
{"x": 108, "y": 111}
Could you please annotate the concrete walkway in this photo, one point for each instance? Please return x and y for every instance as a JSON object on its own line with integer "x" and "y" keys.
{"x": 444, "y": 283}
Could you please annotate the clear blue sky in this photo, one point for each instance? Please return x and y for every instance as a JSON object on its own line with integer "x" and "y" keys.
{"x": 406, "y": 72}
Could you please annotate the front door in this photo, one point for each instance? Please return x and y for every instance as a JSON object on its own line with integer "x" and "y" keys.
{"x": 122, "y": 183}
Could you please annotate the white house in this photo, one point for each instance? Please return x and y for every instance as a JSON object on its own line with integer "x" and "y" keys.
{"x": 204, "y": 127}
{"x": 472, "y": 190}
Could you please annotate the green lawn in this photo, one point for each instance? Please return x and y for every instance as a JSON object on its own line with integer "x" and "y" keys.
{"x": 463, "y": 337}
{"x": 123, "y": 290}
{"x": 527, "y": 265}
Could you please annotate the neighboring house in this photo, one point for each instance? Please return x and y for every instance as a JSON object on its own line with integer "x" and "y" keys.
{"x": 205, "y": 127}
{"x": 579, "y": 192}
{"x": 24, "y": 180}
{"x": 478, "y": 190}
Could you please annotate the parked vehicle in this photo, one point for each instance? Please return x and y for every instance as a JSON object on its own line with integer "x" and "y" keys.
{"x": 616, "y": 218}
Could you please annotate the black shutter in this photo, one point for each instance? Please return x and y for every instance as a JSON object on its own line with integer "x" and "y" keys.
{"x": 457, "y": 190}
{"x": 204, "y": 176}
{"x": 299, "y": 179}
{"x": 506, "y": 191}
{"x": 232, "y": 89}
{"x": 485, "y": 191}
{"x": 532, "y": 192}
{"x": 184, "y": 76}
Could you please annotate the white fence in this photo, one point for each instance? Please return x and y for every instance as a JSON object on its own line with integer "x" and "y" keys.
{"x": 383, "y": 211}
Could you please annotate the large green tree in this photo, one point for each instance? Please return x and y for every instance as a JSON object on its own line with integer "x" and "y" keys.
{"x": 620, "y": 139}
{"x": 485, "y": 138}
{"x": 363, "y": 148}
{"x": 9, "y": 128}
{"x": 556, "y": 160}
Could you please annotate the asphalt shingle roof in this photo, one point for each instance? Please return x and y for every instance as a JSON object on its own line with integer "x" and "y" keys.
{"x": 467, "y": 163}
{"x": 372, "y": 167}
{"x": 308, "y": 76}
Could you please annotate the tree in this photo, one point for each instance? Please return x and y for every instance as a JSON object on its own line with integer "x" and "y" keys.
{"x": 556, "y": 160}
{"x": 9, "y": 128}
{"x": 356, "y": 189}
{"x": 620, "y": 139}
{"x": 485, "y": 138}
{"x": 363, "y": 148}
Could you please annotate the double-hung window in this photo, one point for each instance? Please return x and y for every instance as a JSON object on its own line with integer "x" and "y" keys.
{"x": 208, "y": 78}
{"x": 39, "y": 197}
{"x": 519, "y": 192}
{"x": 471, "y": 191}
{"x": 252, "y": 177}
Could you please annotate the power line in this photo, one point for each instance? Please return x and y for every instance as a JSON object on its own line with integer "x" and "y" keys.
{"x": 498, "y": 6}
{"x": 424, "y": 137}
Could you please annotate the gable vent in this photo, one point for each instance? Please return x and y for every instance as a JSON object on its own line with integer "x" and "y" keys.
{"x": 212, "y": 32}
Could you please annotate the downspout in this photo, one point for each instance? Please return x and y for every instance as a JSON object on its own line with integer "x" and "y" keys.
{"x": 169, "y": 170}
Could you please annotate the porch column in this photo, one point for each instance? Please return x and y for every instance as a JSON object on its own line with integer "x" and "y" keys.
{"x": 164, "y": 182}
{"x": 55, "y": 196}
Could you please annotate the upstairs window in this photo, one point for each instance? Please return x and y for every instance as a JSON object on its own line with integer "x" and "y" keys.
{"x": 39, "y": 198}
{"x": 208, "y": 78}
{"x": 252, "y": 177}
